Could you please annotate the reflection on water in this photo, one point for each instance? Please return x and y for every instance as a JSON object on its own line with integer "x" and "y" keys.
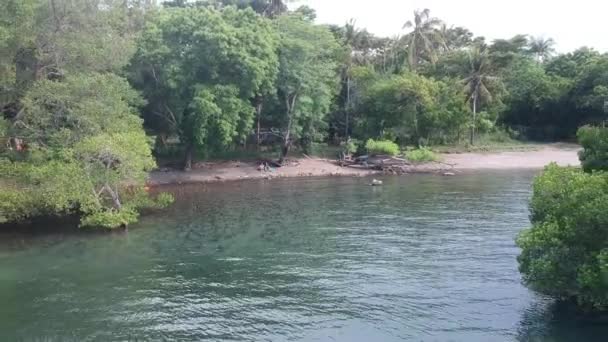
{"x": 421, "y": 258}
{"x": 548, "y": 321}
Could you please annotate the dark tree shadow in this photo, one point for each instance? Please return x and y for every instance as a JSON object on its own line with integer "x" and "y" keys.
{"x": 550, "y": 321}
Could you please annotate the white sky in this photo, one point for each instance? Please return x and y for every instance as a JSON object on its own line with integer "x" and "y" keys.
{"x": 572, "y": 23}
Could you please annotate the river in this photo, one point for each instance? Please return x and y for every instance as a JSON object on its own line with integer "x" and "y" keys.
{"x": 422, "y": 258}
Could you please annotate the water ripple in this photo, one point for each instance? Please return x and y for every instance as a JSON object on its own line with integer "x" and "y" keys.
{"x": 423, "y": 258}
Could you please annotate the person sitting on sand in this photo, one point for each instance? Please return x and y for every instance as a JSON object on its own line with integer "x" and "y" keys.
{"x": 264, "y": 167}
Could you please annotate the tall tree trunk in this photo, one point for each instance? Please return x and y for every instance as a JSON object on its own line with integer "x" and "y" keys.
{"x": 286, "y": 142}
{"x": 188, "y": 157}
{"x": 416, "y": 130}
{"x": 347, "y": 108}
{"x": 258, "y": 112}
{"x": 472, "y": 140}
{"x": 290, "y": 104}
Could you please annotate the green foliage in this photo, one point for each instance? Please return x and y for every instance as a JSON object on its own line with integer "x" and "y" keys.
{"x": 564, "y": 254}
{"x": 110, "y": 219}
{"x": 421, "y": 155}
{"x": 87, "y": 152}
{"x": 212, "y": 72}
{"x": 594, "y": 155}
{"x": 3, "y": 128}
{"x": 351, "y": 146}
{"x": 162, "y": 200}
{"x": 199, "y": 67}
{"x": 49, "y": 39}
{"x": 59, "y": 114}
{"x": 570, "y": 65}
{"x": 307, "y": 79}
{"x": 550, "y": 101}
{"x": 382, "y": 147}
{"x": 222, "y": 117}
{"x": 412, "y": 107}
{"x": 591, "y": 89}
{"x": 424, "y": 39}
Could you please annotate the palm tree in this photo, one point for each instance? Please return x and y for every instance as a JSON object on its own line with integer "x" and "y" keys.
{"x": 423, "y": 38}
{"x": 359, "y": 44}
{"x": 543, "y": 48}
{"x": 478, "y": 81}
{"x": 352, "y": 35}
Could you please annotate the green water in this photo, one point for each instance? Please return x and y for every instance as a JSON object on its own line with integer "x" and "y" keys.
{"x": 423, "y": 258}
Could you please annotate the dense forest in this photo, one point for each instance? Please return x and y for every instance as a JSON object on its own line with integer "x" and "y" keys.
{"x": 93, "y": 90}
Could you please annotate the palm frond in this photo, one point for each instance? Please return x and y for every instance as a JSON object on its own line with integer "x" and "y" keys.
{"x": 483, "y": 93}
{"x": 425, "y": 14}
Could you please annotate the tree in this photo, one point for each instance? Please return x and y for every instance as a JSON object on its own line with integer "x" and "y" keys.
{"x": 478, "y": 82}
{"x": 571, "y": 64}
{"x": 86, "y": 152}
{"x": 542, "y": 48}
{"x": 48, "y": 39}
{"x": 503, "y": 52}
{"x": 455, "y": 37}
{"x": 357, "y": 50}
{"x": 17, "y": 37}
{"x": 538, "y": 102}
{"x": 267, "y": 8}
{"x": 307, "y": 77}
{"x": 590, "y": 91}
{"x": 423, "y": 39}
{"x": 200, "y": 68}
{"x": 76, "y": 143}
{"x": 413, "y": 109}
{"x": 594, "y": 140}
{"x": 564, "y": 253}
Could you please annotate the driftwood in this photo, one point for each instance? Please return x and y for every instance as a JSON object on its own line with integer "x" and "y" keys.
{"x": 394, "y": 165}
{"x": 270, "y": 162}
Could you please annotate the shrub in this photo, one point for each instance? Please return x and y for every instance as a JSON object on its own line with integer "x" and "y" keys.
{"x": 422, "y": 155}
{"x": 350, "y": 146}
{"x": 381, "y": 147}
{"x": 565, "y": 252}
{"x": 595, "y": 148}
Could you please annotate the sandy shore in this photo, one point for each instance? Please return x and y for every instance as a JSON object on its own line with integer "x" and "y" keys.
{"x": 234, "y": 170}
{"x": 562, "y": 154}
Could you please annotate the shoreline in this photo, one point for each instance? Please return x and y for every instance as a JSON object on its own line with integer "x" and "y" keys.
{"x": 224, "y": 171}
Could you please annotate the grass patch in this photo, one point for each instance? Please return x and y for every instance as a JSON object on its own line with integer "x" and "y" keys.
{"x": 382, "y": 147}
{"x": 421, "y": 155}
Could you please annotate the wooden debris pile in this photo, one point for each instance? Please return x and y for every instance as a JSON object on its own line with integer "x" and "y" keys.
{"x": 390, "y": 165}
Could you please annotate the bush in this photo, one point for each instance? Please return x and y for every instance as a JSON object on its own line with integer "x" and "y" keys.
{"x": 350, "y": 146}
{"x": 422, "y": 155}
{"x": 565, "y": 252}
{"x": 595, "y": 148}
{"x": 382, "y": 147}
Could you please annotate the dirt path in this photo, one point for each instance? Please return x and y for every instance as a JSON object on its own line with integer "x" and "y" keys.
{"x": 226, "y": 171}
